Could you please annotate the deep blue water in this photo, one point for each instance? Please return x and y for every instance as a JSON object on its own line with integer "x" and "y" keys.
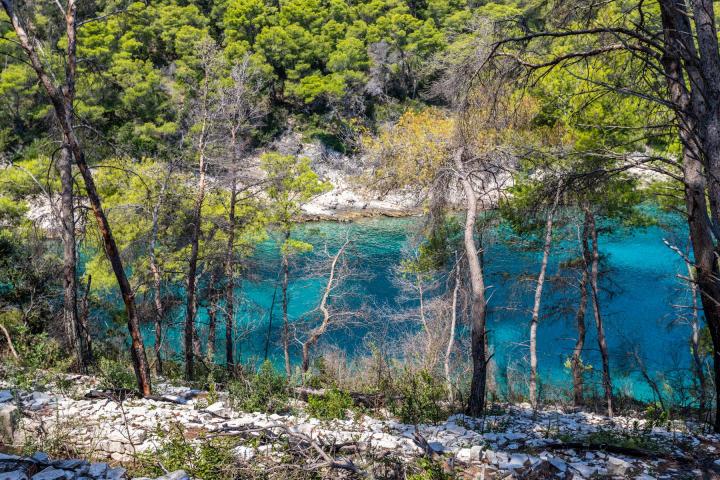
{"x": 642, "y": 298}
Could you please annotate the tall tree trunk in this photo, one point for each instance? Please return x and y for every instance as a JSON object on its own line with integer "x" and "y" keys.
{"x": 191, "y": 306}
{"x": 62, "y": 101}
{"x": 602, "y": 343}
{"x": 577, "y": 363}
{"x": 478, "y": 309}
{"x": 156, "y": 275}
{"x": 191, "y": 344}
{"x": 695, "y": 341}
{"x": 286, "y": 322}
{"x": 230, "y": 281}
{"x": 691, "y": 111}
{"x": 538, "y": 297}
{"x": 71, "y": 321}
{"x": 451, "y": 333}
{"x": 212, "y": 327}
{"x": 84, "y": 319}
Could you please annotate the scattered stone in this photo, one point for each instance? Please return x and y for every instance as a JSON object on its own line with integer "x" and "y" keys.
{"x": 51, "y": 473}
{"x": 116, "y": 473}
{"x": 14, "y": 475}
{"x": 244, "y": 453}
{"x": 176, "y": 475}
{"x": 469, "y": 455}
{"x": 215, "y": 407}
{"x": 40, "y": 457}
{"x": 98, "y": 470}
{"x": 618, "y": 466}
{"x": 9, "y": 420}
{"x": 5, "y": 396}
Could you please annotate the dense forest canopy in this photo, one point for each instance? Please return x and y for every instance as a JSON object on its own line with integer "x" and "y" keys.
{"x": 144, "y": 152}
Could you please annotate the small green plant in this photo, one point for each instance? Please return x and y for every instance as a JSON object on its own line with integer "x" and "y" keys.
{"x": 334, "y": 404}
{"x": 115, "y": 375}
{"x": 429, "y": 470}
{"x": 263, "y": 391}
{"x": 209, "y": 459}
{"x": 633, "y": 438}
{"x": 420, "y": 398}
{"x": 212, "y": 396}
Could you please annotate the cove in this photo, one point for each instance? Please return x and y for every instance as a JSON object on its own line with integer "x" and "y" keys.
{"x": 645, "y": 304}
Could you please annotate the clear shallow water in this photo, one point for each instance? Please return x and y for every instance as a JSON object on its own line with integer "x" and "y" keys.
{"x": 640, "y": 298}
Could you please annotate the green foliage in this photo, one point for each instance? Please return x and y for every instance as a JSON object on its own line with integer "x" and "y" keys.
{"x": 210, "y": 459}
{"x": 115, "y": 374}
{"x": 41, "y": 359}
{"x": 421, "y": 398}
{"x": 430, "y": 470}
{"x": 333, "y": 404}
{"x": 263, "y": 391}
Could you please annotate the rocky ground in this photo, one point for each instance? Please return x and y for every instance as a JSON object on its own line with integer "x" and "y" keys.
{"x": 514, "y": 442}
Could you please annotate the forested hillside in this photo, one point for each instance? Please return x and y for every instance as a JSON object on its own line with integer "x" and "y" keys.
{"x": 158, "y": 161}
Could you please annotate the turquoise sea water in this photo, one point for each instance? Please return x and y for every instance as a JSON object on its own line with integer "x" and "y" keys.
{"x": 644, "y": 303}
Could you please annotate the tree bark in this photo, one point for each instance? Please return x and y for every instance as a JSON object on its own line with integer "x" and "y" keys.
{"x": 62, "y": 102}
{"x": 451, "y": 333}
{"x": 602, "y": 343}
{"x": 699, "y": 163}
{"x": 156, "y": 275}
{"x": 538, "y": 297}
{"x": 230, "y": 281}
{"x": 286, "y": 324}
{"x": 191, "y": 306}
{"x": 577, "y": 363}
{"x": 695, "y": 342}
{"x": 478, "y": 309}
{"x": 212, "y": 327}
{"x": 71, "y": 320}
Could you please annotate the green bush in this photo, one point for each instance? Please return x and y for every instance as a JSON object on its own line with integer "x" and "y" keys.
{"x": 40, "y": 361}
{"x": 209, "y": 459}
{"x": 334, "y": 404}
{"x": 263, "y": 391}
{"x": 115, "y": 375}
{"x": 420, "y": 397}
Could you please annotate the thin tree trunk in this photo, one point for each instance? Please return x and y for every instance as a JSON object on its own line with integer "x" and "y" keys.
{"x": 602, "y": 343}
{"x": 8, "y": 339}
{"x": 191, "y": 308}
{"x": 156, "y": 275}
{"x": 84, "y": 318}
{"x": 695, "y": 343}
{"x": 71, "y": 320}
{"x": 538, "y": 297}
{"x": 577, "y": 364}
{"x": 230, "y": 281}
{"x": 316, "y": 333}
{"x": 451, "y": 336}
{"x": 286, "y": 324}
{"x": 212, "y": 327}
{"x": 476, "y": 405}
{"x": 270, "y": 318}
{"x": 62, "y": 101}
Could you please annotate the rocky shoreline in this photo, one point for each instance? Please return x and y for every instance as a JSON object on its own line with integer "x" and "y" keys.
{"x": 514, "y": 442}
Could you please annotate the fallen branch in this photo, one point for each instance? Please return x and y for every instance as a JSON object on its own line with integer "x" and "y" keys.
{"x": 604, "y": 447}
{"x": 9, "y": 342}
{"x": 301, "y": 444}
